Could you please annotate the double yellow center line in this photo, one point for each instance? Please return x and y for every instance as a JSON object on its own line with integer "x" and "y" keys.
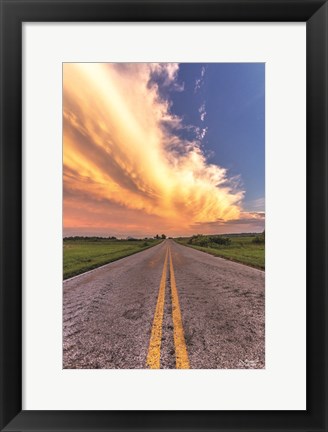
{"x": 154, "y": 350}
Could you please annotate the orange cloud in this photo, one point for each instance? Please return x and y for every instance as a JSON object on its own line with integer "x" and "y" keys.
{"x": 124, "y": 166}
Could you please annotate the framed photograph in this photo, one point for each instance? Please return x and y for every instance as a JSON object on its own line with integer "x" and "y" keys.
{"x": 120, "y": 186}
{"x": 163, "y": 215}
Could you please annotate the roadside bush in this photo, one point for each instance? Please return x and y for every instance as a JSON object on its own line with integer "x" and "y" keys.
{"x": 206, "y": 241}
{"x": 199, "y": 240}
{"x": 225, "y": 241}
{"x": 259, "y": 239}
{"x": 203, "y": 241}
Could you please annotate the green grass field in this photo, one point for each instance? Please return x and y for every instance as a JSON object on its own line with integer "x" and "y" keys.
{"x": 241, "y": 249}
{"x": 81, "y": 255}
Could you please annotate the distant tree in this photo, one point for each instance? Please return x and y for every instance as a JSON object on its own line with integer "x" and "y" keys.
{"x": 156, "y": 236}
{"x": 259, "y": 239}
{"x": 163, "y": 236}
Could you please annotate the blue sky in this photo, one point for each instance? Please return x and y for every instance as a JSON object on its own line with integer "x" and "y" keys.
{"x": 233, "y": 97}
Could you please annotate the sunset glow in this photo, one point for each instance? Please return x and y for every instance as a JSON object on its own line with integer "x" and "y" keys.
{"x": 128, "y": 169}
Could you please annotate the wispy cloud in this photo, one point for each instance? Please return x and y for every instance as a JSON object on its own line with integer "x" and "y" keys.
{"x": 256, "y": 204}
{"x": 247, "y": 222}
{"x": 200, "y": 81}
{"x": 125, "y": 168}
{"x": 201, "y": 132}
{"x": 168, "y": 73}
{"x": 202, "y": 111}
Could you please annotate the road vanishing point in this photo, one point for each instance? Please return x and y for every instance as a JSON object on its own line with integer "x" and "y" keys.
{"x": 167, "y": 307}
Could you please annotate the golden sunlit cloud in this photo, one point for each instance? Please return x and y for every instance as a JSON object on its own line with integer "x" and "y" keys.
{"x": 125, "y": 167}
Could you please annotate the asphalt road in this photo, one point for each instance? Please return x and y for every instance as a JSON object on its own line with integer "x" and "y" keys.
{"x": 169, "y": 306}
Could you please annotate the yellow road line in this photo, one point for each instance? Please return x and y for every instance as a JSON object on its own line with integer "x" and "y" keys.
{"x": 181, "y": 354}
{"x": 154, "y": 350}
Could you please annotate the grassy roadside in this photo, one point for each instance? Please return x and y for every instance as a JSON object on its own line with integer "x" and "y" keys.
{"x": 81, "y": 255}
{"x": 241, "y": 248}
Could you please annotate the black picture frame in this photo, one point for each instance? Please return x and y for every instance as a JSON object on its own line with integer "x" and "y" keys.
{"x": 13, "y": 14}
